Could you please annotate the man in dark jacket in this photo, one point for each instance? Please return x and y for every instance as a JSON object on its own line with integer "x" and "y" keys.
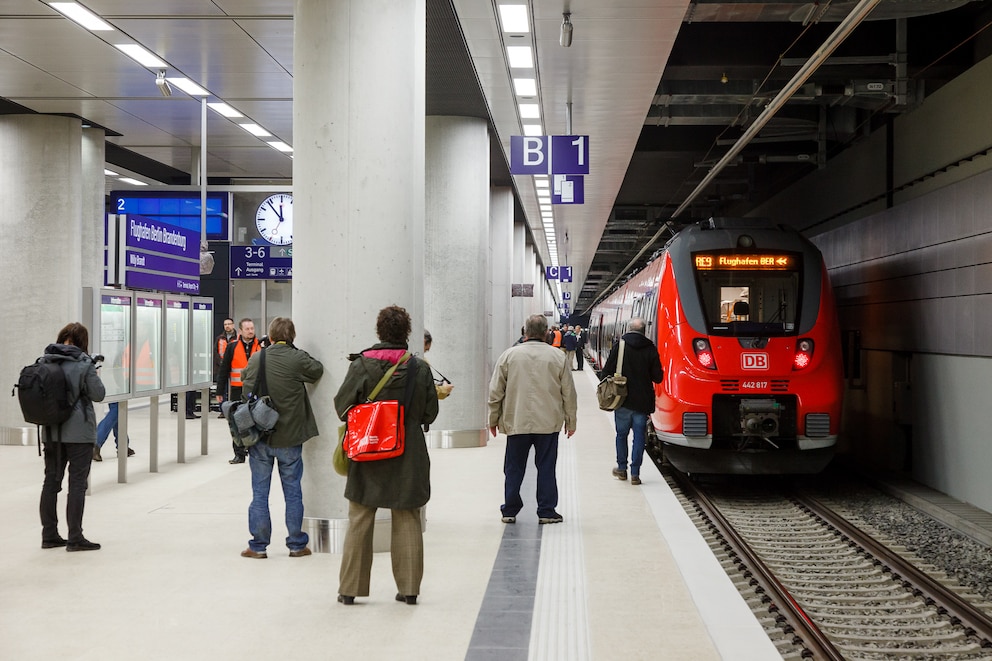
{"x": 642, "y": 367}
{"x": 287, "y": 371}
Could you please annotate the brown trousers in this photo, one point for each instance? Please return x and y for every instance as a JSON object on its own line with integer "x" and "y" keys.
{"x": 406, "y": 550}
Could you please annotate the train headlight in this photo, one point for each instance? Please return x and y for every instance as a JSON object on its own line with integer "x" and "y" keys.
{"x": 804, "y": 354}
{"x": 704, "y": 355}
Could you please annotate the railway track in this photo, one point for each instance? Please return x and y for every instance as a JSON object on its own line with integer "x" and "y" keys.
{"x": 825, "y": 590}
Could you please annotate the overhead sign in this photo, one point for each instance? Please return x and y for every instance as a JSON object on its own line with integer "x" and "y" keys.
{"x": 158, "y": 256}
{"x": 560, "y": 273}
{"x": 566, "y": 295}
{"x": 568, "y": 189}
{"x": 261, "y": 263}
{"x": 549, "y": 154}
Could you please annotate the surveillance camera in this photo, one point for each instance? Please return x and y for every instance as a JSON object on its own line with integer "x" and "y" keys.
{"x": 163, "y": 85}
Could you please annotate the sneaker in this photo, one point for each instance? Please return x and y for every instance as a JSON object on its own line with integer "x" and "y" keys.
{"x": 248, "y": 553}
{"x": 635, "y": 480}
{"x": 82, "y": 545}
{"x": 509, "y": 519}
{"x": 96, "y": 453}
{"x": 619, "y": 474}
{"x": 554, "y": 518}
{"x": 305, "y": 551}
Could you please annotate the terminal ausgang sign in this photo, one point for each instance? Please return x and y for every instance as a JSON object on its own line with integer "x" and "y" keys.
{"x": 739, "y": 262}
{"x": 261, "y": 262}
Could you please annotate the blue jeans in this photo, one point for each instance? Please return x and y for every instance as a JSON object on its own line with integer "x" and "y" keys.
{"x": 626, "y": 419}
{"x": 515, "y": 464}
{"x": 109, "y": 422}
{"x": 260, "y": 458}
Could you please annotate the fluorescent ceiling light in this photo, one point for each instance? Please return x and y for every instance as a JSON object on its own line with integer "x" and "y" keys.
{"x": 188, "y": 86}
{"x": 224, "y": 109}
{"x": 255, "y": 129}
{"x": 514, "y": 18}
{"x": 279, "y": 145}
{"x": 525, "y": 86}
{"x": 533, "y": 129}
{"x": 520, "y": 57}
{"x": 81, "y": 15}
{"x": 530, "y": 111}
{"x": 135, "y": 182}
{"x": 541, "y": 183}
{"x": 141, "y": 56}
{"x": 110, "y": 173}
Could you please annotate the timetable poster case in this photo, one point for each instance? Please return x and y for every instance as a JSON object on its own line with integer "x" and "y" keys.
{"x": 202, "y": 355}
{"x": 177, "y": 334}
{"x": 146, "y": 350}
{"x": 114, "y": 316}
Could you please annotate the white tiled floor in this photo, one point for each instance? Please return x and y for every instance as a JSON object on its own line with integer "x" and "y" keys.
{"x": 169, "y": 582}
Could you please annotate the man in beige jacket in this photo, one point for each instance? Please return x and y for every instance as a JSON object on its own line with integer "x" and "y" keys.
{"x": 531, "y": 395}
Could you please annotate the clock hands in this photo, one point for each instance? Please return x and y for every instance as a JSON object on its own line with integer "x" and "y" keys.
{"x": 278, "y": 211}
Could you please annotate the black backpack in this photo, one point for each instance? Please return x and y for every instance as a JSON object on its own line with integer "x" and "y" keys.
{"x": 44, "y": 394}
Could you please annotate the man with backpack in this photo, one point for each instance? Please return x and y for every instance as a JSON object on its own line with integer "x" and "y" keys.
{"x": 69, "y": 442}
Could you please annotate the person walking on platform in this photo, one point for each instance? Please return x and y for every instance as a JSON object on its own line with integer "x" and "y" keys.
{"x": 642, "y": 367}
{"x": 220, "y": 347}
{"x": 531, "y": 395}
{"x": 287, "y": 371}
{"x": 580, "y": 347}
{"x": 235, "y": 359}
{"x": 108, "y": 424}
{"x": 70, "y": 443}
{"x": 402, "y": 483}
{"x": 570, "y": 343}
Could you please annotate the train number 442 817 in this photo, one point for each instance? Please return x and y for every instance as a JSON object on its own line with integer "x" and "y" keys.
{"x": 754, "y": 385}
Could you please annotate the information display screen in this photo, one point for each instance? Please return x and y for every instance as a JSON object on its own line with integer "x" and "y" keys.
{"x": 146, "y": 350}
{"x": 176, "y": 208}
{"x": 745, "y": 262}
{"x": 177, "y": 317}
{"x": 114, "y": 341}
{"x": 202, "y": 362}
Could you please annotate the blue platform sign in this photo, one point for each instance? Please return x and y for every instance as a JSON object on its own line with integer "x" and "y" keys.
{"x": 560, "y": 273}
{"x": 261, "y": 263}
{"x": 566, "y": 295}
{"x": 161, "y": 257}
{"x": 568, "y": 189}
{"x": 549, "y": 154}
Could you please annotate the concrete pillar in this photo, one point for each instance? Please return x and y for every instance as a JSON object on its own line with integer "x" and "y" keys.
{"x": 504, "y": 328}
{"x": 40, "y": 238}
{"x": 358, "y": 197}
{"x": 519, "y": 306}
{"x": 94, "y": 186}
{"x": 456, "y": 276}
{"x": 535, "y": 305}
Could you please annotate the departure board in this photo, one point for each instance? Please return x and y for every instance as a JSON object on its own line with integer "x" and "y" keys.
{"x": 745, "y": 262}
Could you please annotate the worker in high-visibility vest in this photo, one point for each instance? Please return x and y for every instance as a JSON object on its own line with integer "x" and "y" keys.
{"x": 229, "y": 335}
{"x": 236, "y": 357}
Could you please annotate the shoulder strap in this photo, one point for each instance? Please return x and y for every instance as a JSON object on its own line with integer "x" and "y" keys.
{"x": 261, "y": 388}
{"x": 619, "y": 371}
{"x": 385, "y": 377}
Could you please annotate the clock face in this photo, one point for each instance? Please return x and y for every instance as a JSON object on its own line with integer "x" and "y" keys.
{"x": 274, "y": 219}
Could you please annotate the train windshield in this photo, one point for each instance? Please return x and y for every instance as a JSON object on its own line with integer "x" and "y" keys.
{"x": 749, "y": 295}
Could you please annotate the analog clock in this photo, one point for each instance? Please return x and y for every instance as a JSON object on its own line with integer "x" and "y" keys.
{"x": 274, "y": 219}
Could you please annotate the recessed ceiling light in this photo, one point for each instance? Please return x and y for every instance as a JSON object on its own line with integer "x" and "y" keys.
{"x": 280, "y": 146}
{"x": 134, "y": 182}
{"x": 188, "y": 86}
{"x": 533, "y": 129}
{"x": 81, "y": 15}
{"x": 224, "y": 109}
{"x": 525, "y": 86}
{"x": 255, "y": 129}
{"x": 141, "y": 56}
{"x": 110, "y": 173}
{"x": 530, "y": 111}
{"x": 520, "y": 57}
{"x": 514, "y": 18}
{"x": 541, "y": 183}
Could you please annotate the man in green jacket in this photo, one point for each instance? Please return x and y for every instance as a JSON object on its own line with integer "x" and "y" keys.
{"x": 287, "y": 370}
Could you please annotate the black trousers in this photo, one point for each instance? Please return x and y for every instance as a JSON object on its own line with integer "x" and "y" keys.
{"x": 239, "y": 451}
{"x": 78, "y": 456}
{"x": 578, "y": 358}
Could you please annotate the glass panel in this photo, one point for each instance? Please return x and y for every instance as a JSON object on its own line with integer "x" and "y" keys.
{"x": 148, "y": 340}
{"x": 202, "y": 347}
{"x": 114, "y": 340}
{"x": 176, "y": 342}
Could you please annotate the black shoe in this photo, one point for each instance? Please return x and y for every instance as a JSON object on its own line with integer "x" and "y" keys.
{"x": 130, "y": 452}
{"x": 220, "y": 415}
{"x": 192, "y": 416}
{"x": 237, "y": 460}
{"x": 346, "y": 600}
{"x": 52, "y": 543}
{"x": 82, "y": 545}
{"x": 554, "y": 518}
{"x": 410, "y": 599}
{"x": 96, "y": 453}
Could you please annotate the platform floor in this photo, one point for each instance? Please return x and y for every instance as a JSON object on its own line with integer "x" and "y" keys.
{"x": 626, "y": 576}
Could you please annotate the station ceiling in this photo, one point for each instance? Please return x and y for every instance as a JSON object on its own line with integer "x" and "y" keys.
{"x": 663, "y": 88}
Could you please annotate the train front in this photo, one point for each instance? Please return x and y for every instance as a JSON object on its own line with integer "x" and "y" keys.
{"x": 750, "y": 344}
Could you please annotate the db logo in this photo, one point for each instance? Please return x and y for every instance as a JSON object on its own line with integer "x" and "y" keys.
{"x": 754, "y": 361}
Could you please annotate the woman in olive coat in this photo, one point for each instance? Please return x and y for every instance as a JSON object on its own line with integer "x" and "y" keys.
{"x": 403, "y": 483}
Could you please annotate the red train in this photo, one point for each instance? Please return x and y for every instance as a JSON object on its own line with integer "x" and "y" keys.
{"x": 744, "y": 318}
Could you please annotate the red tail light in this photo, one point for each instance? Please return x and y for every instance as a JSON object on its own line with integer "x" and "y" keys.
{"x": 704, "y": 355}
{"x": 804, "y": 354}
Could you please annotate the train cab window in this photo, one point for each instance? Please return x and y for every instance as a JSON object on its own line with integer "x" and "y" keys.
{"x": 741, "y": 300}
